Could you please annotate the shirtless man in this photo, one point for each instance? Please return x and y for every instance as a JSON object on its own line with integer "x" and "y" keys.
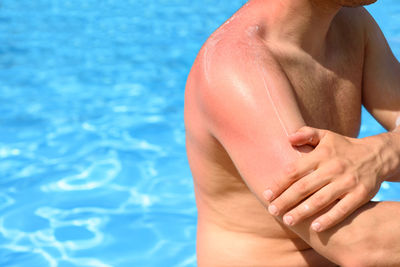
{"x": 270, "y": 191}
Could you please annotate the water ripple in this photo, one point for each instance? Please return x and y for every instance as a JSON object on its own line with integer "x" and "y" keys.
{"x": 93, "y": 170}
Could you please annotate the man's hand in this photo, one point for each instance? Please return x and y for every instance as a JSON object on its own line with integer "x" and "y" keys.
{"x": 340, "y": 168}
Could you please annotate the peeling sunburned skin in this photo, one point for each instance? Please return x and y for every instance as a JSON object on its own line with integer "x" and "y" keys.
{"x": 209, "y": 49}
{"x": 212, "y": 42}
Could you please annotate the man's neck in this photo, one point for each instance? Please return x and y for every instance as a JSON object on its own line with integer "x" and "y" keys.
{"x": 303, "y": 23}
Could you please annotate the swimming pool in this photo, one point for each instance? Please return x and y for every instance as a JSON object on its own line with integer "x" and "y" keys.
{"x": 93, "y": 170}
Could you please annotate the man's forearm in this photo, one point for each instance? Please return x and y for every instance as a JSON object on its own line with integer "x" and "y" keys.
{"x": 388, "y": 147}
{"x": 369, "y": 237}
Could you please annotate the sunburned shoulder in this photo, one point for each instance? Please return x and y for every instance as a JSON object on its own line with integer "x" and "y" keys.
{"x": 226, "y": 49}
{"x": 223, "y": 77}
{"x": 231, "y": 42}
{"x": 230, "y": 58}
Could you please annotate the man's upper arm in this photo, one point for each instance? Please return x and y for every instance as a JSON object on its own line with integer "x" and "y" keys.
{"x": 252, "y": 129}
{"x": 381, "y": 77}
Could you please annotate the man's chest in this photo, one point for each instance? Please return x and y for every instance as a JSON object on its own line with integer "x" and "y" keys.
{"x": 329, "y": 96}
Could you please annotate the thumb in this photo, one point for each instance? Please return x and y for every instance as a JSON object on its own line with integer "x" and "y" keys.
{"x": 307, "y": 136}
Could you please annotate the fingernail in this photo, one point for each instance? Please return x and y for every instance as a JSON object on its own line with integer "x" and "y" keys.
{"x": 273, "y": 210}
{"x": 288, "y": 220}
{"x": 316, "y": 227}
{"x": 268, "y": 194}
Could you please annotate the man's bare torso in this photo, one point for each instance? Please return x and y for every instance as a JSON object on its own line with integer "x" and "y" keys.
{"x": 234, "y": 228}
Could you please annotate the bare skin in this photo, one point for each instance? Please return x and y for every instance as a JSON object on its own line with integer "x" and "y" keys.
{"x": 237, "y": 140}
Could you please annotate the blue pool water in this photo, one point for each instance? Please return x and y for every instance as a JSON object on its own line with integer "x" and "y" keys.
{"x": 93, "y": 170}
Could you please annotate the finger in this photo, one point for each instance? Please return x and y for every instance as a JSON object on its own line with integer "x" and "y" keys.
{"x": 338, "y": 213}
{"x": 307, "y": 135}
{"x": 290, "y": 174}
{"x": 314, "y": 204}
{"x": 293, "y": 172}
{"x": 301, "y": 167}
{"x": 301, "y": 138}
{"x": 298, "y": 191}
